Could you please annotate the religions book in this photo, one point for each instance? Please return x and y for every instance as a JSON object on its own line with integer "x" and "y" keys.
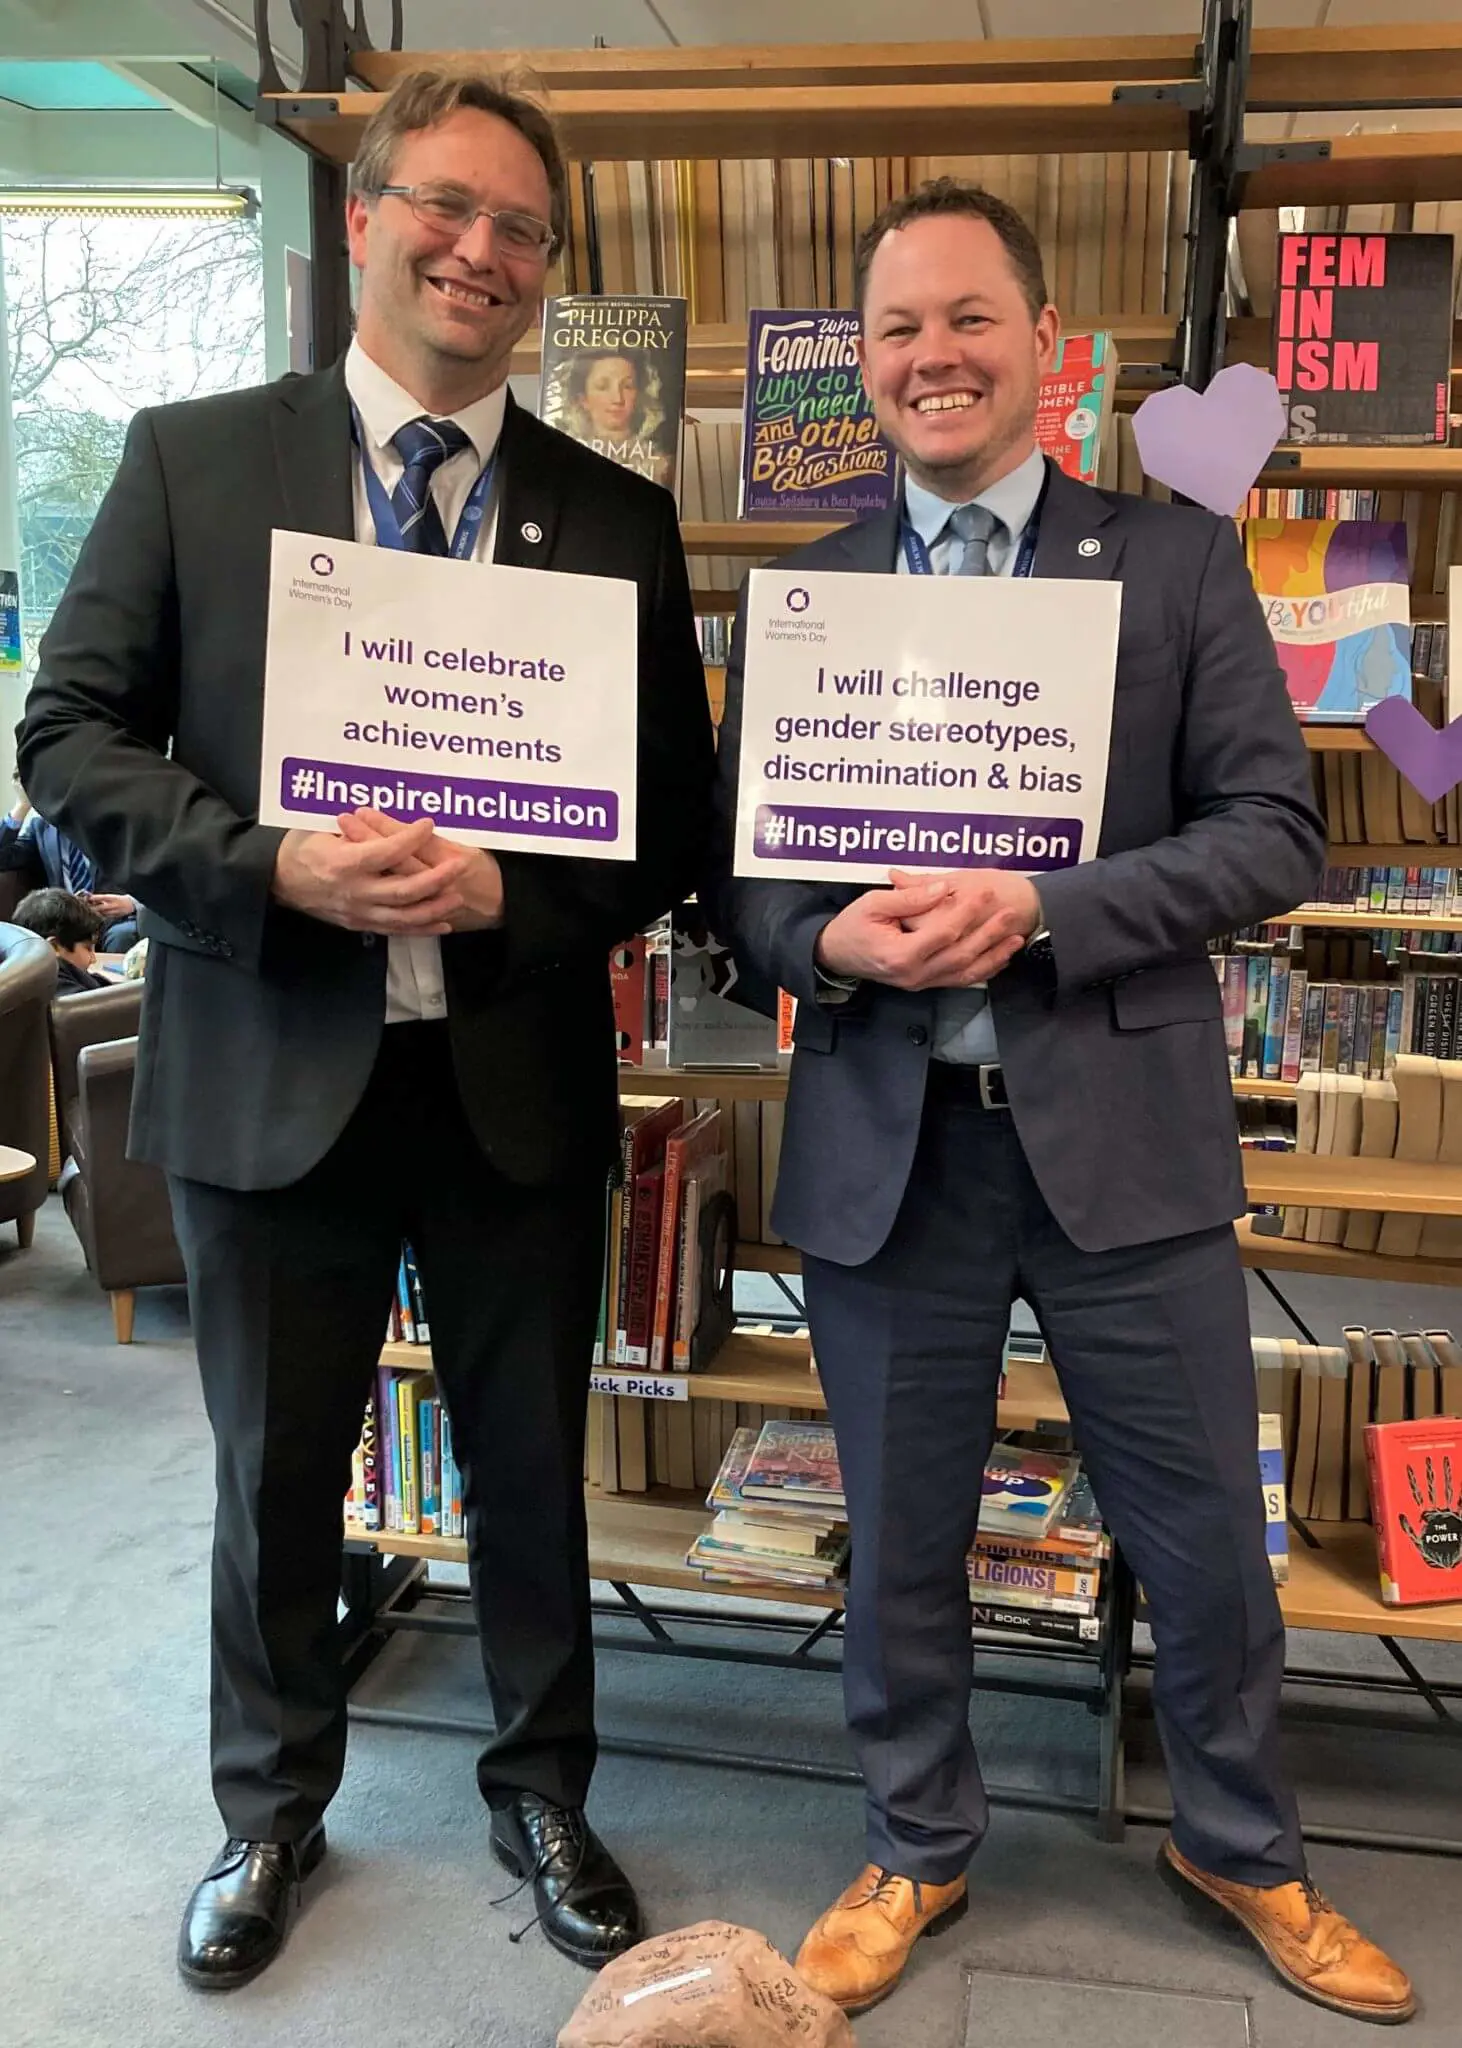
{"x": 1361, "y": 344}
{"x": 810, "y": 444}
{"x": 613, "y": 377}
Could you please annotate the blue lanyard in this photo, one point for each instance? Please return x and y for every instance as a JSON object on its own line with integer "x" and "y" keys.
{"x": 916, "y": 552}
{"x": 383, "y": 512}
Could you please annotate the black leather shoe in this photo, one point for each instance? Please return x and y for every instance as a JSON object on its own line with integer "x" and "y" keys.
{"x": 238, "y": 1916}
{"x": 586, "y": 1904}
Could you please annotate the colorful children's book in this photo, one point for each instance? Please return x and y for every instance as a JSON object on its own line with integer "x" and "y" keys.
{"x": 810, "y": 444}
{"x": 795, "y": 1461}
{"x": 1337, "y": 599}
{"x": 1023, "y": 1491}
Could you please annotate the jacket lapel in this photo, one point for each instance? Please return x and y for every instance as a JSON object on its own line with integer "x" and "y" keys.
{"x": 1079, "y": 536}
{"x": 530, "y": 492}
{"x": 871, "y": 545}
{"x": 311, "y": 428}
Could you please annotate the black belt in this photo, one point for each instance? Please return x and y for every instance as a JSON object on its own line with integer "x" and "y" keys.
{"x": 980, "y": 1087}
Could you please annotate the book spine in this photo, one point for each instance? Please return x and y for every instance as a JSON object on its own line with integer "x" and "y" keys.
{"x": 1275, "y": 1017}
{"x": 644, "y": 1244}
{"x": 418, "y": 1304}
{"x": 1289, "y": 1065}
{"x": 1381, "y": 1520}
{"x": 410, "y": 1493}
{"x": 370, "y": 1468}
{"x": 1028, "y": 1621}
{"x": 661, "y": 1334}
{"x": 430, "y": 1466}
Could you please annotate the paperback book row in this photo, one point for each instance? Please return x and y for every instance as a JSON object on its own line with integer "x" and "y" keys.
{"x": 407, "y": 1323}
{"x": 1372, "y": 1431}
{"x": 1366, "y": 802}
{"x": 404, "y": 1477}
{"x": 1415, "y": 1115}
{"x": 780, "y": 1520}
{"x": 1279, "y": 1025}
{"x": 1406, "y": 892}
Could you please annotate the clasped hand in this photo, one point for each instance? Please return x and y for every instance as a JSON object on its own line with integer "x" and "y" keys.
{"x": 932, "y": 931}
{"x": 401, "y": 881}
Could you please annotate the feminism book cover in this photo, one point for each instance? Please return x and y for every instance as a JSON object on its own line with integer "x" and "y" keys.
{"x": 1337, "y": 599}
{"x": 613, "y": 377}
{"x": 810, "y": 446}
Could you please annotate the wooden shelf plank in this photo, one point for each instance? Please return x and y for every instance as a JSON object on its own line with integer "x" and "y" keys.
{"x": 767, "y": 1258}
{"x": 1370, "y": 169}
{"x": 1366, "y": 65}
{"x": 598, "y": 123}
{"x": 1371, "y": 921}
{"x": 1332, "y": 1261}
{"x": 765, "y": 1084}
{"x": 752, "y": 537}
{"x": 1280, "y": 1091}
{"x": 815, "y": 65}
{"x": 1429, "y": 468}
{"x": 1338, "y": 1587}
{"x": 1415, "y": 1187}
{"x": 1337, "y": 739}
{"x": 1415, "y": 854}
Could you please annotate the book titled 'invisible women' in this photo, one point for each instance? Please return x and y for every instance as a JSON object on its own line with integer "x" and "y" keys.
{"x": 810, "y": 443}
{"x": 613, "y": 377}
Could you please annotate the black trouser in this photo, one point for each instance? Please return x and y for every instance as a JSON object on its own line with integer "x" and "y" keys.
{"x": 290, "y": 1292}
{"x": 1151, "y": 1346}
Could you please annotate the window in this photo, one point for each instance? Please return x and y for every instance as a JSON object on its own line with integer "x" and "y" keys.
{"x": 105, "y": 316}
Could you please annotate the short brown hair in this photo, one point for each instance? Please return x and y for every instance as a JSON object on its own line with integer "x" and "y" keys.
{"x": 957, "y": 195}
{"x": 57, "y": 914}
{"x": 420, "y": 99}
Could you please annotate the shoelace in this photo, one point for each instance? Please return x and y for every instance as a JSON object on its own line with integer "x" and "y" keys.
{"x": 558, "y": 1828}
{"x": 884, "y": 1889}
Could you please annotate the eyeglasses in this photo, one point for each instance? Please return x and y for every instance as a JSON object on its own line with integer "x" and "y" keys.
{"x": 455, "y": 213}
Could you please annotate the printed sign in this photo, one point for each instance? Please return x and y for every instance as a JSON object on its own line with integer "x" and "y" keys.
{"x": 499, "y": 702}
{"x": 641, "y": 1386}
{"x": 10, "y": 645}
{"x": 926, "y": 722}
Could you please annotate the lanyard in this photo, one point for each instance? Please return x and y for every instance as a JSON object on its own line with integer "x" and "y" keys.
{"x": 383, "y": 512}
{"x": 916, "y": 552}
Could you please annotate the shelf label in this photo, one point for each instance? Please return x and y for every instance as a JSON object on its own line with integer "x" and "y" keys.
{"x": 641, "y": 1386}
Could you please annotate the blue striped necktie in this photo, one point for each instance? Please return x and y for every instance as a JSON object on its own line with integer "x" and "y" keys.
{"x": 77, "y": 873}
{"x": 423, "y": 445}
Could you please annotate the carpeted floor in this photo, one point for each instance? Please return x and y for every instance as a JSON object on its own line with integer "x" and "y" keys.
{"x": 105, "y": 1815}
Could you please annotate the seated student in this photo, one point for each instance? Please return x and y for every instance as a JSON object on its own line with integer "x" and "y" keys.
{"x": 72, "y": 927}
{"x": 49, "y": 859}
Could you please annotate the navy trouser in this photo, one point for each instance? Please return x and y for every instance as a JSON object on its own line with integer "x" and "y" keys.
{"x": 1151, "y": 1345}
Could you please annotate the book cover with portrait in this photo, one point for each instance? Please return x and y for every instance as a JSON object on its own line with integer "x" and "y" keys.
{"x": 613, "y": 377}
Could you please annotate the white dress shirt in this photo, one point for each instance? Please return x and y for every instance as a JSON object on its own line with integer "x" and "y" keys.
{"x": 964, "y": 1029}
{"x": 414, "y": 985}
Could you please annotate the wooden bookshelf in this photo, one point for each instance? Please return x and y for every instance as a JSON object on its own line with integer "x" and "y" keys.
{"x": 1337, "y": 1587}
{"x": 1415, "y": 1187}
{"x": 1360, "y": 170}
{"x": 1412, "y": 855}
{"x": 1334, "y": 1262}
{"x": 1338, "y": 739}
{"x": 608, "y": 123}
{"x": 712, "y": 1084}
{"x": 1347, "y": 466}
{"x": 753, "y": 537}
{"x": 1244, "y": 1086}
{"x": 1373, "y": 920}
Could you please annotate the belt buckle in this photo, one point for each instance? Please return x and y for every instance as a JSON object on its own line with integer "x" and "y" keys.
{"x": 991, "y": 1079}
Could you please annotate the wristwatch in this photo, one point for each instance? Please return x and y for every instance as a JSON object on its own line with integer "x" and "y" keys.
{"x": 833, "y": 990}
{"x": 1040, "y": 953}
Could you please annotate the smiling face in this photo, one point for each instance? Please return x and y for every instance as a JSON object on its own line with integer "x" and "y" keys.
{"x": 611, "y": 394}
{"x": 952, "y": 354}
{"x": 442, "y": 313}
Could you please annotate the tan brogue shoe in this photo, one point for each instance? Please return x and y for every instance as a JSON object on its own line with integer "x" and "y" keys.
{"x": 1313, "y": 1948}
{"x": 856, "y": 1952}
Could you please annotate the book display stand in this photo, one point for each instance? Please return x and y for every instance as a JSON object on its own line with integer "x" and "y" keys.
{"x": 1174, "y": 140}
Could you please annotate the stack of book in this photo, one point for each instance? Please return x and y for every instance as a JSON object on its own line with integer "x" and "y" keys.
{"x": 1036, "y": 1566}
{"x": 780, "y": 1514}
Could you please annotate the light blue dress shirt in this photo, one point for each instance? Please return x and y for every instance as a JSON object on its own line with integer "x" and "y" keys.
{"x": 964, "y": 1028}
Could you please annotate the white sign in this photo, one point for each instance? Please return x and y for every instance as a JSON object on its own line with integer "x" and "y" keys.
{"x": 923, "y": 722}
{"x": 641, "y": 1386}
{"x": 501, "y": 703}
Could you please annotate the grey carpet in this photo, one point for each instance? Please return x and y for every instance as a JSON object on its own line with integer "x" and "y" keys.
{"x": 105, "y": 1817}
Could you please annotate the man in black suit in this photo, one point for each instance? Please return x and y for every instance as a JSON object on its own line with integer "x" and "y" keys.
{"x": 1027, "y": 1083}
{"x": 350, "y": 1038}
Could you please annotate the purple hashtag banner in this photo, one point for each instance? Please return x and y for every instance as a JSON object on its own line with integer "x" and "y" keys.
{"x": 959, "y": 839}
{"x": 542, "y": 810}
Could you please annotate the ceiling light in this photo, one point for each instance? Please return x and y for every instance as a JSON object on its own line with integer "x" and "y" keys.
{"x": 157, "y": 201}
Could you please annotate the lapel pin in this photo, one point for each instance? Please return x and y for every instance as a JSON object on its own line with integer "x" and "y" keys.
{"x": 531, "y": 530}
{"x": 1088, "y": 547}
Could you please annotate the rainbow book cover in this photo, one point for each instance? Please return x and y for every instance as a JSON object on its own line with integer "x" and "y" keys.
{"x": 1337, "y": 599}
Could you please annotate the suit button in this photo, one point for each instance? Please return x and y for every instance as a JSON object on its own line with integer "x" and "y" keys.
{"x": 368, "y": 938}
{"x": 917, "y": 1035}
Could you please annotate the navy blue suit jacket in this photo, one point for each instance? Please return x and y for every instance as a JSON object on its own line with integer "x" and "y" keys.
{"x": 1118, "y": 1078}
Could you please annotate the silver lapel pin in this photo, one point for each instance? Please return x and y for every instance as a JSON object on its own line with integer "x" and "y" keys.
{"x": 531, "y": 530}
{"x": 1088, "y": 547}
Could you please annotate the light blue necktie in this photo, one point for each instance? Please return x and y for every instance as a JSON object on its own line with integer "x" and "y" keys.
{"x": 975, "y": 526}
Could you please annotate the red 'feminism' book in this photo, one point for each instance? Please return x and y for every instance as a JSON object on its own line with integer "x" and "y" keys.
{"x": 1416, "y": 1505}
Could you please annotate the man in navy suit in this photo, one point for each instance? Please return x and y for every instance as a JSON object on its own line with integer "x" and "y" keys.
{"x": 1028, "y": 1085}
{"x": 48, "y": 859}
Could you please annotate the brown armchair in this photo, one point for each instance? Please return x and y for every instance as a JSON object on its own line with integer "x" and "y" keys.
{"x": 27, "y": 981}
{"x": 118, "y": 1206}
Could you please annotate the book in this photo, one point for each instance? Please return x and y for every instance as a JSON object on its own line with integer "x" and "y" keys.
{"x": 686, "y": 1150}
{"x": 810, "y": 446}
{"x": 613, "y": 377}
{"x": 1337, "y": 600}
{"x": 1361, "y": 339}
{"x": 1033, "y": 1622}
{"x": 1074, "y": 403}
{"x": 1416, "y": 1505}
{"x": 795, "y": 1461}
{"x": 708, "y": 1027}
{"x": 1012, "y": 1575}
{"x": 1022, "y": 1491}
{"x": 627, "y": 980}
{"x": 1271, "y": 1479}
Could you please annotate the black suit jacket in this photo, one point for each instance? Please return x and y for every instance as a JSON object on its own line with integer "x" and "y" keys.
{"x": 1118, "y": 1078}
{"x": 141, "y": 738}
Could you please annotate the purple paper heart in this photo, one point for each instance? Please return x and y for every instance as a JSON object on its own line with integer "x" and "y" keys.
{"x": 1430, "y": 760}
{"x": 1210, "y": 445}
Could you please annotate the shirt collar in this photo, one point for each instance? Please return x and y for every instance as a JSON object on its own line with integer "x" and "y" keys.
{"x": 385, "y": 406}
{"x": 1013, "y": 499}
